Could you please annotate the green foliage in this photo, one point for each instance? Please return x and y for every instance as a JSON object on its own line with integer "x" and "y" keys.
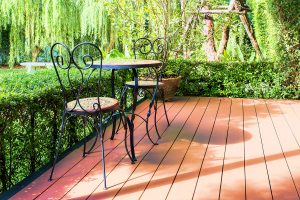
{"x": 276, "y": 25}
{"x": 30, "y": 117}
{"x": 113, "y": 24}
{"x": 4, "y": 47}
{"x": 31, "y": 104}
{"x": 236, "y": 79}
{"x": 115, "y": 53}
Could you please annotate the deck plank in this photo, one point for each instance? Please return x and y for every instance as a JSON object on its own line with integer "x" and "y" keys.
{"x": 288, "y": 143}
{"x": 120, "y": 179}
{"x": 233, "y": 178}
{"x": 94, "y": 178}
{"x": 279, "y": 175}
{"x": 257, "y": 180}
{"x": 188, "y": 173}
{"x": 295, "y": 105}
{"x": 208, "y": 184}
{"x": 291, "y": 118}
{"x": 150, "y": 163}
{"x": 215, "y": 148}
{"x": 168, "y": 168}
{"x": 41, "y": 184}
{"x": 114, "y": 149}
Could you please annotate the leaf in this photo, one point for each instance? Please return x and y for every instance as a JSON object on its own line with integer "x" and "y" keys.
{"x": 240, "y": 53}
{"x": 252, "y": 57}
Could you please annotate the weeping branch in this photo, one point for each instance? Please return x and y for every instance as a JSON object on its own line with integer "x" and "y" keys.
{"x": 186, "y": 29}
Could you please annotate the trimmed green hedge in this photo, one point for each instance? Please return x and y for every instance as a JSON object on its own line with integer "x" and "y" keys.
{"x": 31, "y": 105}
{"x": 30, "y": 117}
{"x": 237, "y": 79}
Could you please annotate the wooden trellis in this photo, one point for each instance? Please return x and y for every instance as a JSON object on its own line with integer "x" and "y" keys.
{"x": 237, "y": 7}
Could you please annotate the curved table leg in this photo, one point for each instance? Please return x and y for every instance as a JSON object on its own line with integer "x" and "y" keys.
{"x": 114, "y": 119}
{"x": 134, "y": 104}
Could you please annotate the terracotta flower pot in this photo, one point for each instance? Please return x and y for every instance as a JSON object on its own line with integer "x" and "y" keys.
{"x": 171, "y": 86}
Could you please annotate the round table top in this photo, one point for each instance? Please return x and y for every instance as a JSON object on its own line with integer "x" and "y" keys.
{"x": 128, "y": 64}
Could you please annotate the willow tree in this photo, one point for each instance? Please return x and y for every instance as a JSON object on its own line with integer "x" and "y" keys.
{"x": 112, "y": 24}
{"x": 36, "y": 24}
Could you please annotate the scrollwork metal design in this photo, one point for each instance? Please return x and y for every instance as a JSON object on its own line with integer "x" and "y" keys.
{"x": 144, "y": 48}
{"x": 80, "y": 60}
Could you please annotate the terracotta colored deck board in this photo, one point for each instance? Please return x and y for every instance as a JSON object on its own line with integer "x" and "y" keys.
{"x": 170, "y": 165}
{"x": 295, "y": 105}
{"x": 115, "y": 148}
{"x": 233, "y": 178}
{"x": 189, "y": 170}
{"x": 39, "y": 185}
{"x": 208, "y": 184}
{"x": 292, "y": 119}
{"x": 279, "y": 175}
{"x": 150, "y": 163}
{"x": 118, "y": 179}
{"x": 94, "y": 178}
{"x": 288, "y": 143}
{"x": 215, "y": 148}
{"x": 257, "y": 181}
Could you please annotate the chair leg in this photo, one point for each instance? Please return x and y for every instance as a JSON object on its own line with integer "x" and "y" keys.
{"x": 155, "y": 118}
{"x": 163, "y": 99}
{"x": 147, "y": 120}
{"x": 85, "y": 139}
{"x": 114, "y": 124}
{"x": 124, "y": 122}
{"x": 120, "y": 122}
{"x": 102, "y": 151}
{"x": 62, "y": 129}
{"x": 131, "y": 128}
{"x": 96, "y": 137}
{"x": 116, "y": 128}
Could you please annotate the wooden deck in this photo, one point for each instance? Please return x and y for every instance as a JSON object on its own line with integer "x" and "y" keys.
{"x": 215, "y": 148}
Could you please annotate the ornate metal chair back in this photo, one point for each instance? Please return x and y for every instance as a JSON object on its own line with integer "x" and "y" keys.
{"x": 75, "y": 72}
{"x": 144, "y": 48}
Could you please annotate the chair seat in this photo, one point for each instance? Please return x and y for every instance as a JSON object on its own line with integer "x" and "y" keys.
{"x": 88, "y": 104}
{"x": 144, "y": 84}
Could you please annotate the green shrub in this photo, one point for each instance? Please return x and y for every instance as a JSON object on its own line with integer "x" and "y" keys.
{"x": 30, "y": 117}
{"x": 31, "y": 105}
{"x": 236, "y": 79}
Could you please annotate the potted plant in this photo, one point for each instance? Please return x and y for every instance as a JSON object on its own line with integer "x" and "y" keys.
{"x": 171, "y": 79}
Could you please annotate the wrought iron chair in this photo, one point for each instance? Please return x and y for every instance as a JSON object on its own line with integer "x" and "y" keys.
{"x": 82, "y": 98}
{"x": 150, "y": 80}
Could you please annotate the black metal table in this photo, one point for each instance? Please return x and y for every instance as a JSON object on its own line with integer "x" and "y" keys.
{"x": 134, "y": 65}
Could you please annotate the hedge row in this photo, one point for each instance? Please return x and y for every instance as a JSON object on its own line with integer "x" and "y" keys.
{"x": 30, "y": 117}
{"x": 31, "y": 105}
{"x": 237, "y": 79}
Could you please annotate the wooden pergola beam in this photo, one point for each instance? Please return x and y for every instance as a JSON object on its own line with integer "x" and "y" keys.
{"x": 231, "y": 5}
{"x": 223, "y": 12}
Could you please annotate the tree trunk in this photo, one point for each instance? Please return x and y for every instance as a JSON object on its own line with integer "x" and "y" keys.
{"x": 208, "y": 31}
{"x": 223, "y": 42}
{"x": 35, "y": 53}
{"x": 250, "y": 33}
{"x": 248, "y": 29}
